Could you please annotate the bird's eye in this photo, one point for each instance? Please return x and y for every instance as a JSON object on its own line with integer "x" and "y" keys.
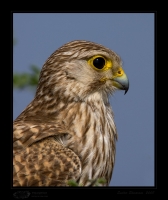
{"x": 99, "y": 62}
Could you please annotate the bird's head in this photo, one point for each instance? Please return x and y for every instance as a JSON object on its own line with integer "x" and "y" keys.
{"x": 81, "y": 68}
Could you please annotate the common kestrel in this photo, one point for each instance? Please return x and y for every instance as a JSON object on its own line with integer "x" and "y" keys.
{"x": 68, "y": 130}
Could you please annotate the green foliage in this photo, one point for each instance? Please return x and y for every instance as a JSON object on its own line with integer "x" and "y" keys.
{"x": 22, "y": 80}
{"x": 97, "y": 182}
{"x": 100, "y": 182}
{"x": 73, "y": 183}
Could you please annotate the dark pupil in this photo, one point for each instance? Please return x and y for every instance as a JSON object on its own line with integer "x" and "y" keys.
{"x": 99, "y": 62}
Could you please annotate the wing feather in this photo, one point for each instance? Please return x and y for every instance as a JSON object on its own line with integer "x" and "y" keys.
{"x": 41, "y": 160}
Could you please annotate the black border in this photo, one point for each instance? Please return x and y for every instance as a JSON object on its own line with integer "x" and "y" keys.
{"x": 49, "y": 192}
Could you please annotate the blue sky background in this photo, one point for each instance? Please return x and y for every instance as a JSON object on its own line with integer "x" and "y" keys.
{"x": 129, "y": 35}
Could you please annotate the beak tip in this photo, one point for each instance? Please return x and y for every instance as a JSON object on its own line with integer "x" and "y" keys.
{"x": 127, "y": 87}
{"x": 125, "y": 92}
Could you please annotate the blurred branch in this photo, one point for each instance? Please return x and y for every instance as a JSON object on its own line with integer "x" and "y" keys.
{"x": 22, "y": 80}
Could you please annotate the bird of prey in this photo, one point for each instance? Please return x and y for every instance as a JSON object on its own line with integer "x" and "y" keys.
{"x": 68, "y": 130}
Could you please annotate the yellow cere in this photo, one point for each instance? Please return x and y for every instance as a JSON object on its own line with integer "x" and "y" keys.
{"x": 108, "y": 63}
{"x": 119, "y": 72}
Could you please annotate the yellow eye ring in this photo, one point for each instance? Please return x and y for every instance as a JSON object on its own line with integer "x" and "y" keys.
{"x": 100, "y": 63}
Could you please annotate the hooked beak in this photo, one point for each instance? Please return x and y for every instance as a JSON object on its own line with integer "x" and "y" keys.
{"x": 120, "y": 80}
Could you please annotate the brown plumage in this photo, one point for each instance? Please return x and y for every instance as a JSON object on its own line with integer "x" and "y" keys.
{"x": 68, "y": 131}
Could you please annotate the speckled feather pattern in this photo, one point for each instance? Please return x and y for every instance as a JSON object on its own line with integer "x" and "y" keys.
{"x": 68, "y": 130}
